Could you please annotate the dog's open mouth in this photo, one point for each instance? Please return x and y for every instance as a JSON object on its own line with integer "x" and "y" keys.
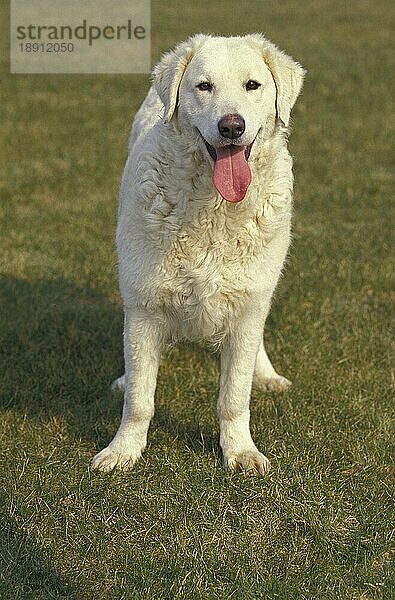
{"x": 212, "y": 152}
{"x": 232, "y": 175}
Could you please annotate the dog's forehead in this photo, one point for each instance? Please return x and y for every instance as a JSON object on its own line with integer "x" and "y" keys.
{"x": 228, "y": 57}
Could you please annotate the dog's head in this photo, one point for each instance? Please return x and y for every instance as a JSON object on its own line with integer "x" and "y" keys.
{"x": 226, "y": 91}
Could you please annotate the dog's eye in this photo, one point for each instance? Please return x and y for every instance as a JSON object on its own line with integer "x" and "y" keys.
{"x": 252, "y": 85}
{"x": 205, "y": 86}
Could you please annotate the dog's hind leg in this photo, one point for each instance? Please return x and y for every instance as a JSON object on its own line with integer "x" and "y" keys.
{"x": 265, "y": 376}
{"x": 118, "y": 385}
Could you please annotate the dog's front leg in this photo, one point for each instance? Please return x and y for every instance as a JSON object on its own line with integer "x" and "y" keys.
{"x": 238, "y": 358}
{"x": 142, "y": 344}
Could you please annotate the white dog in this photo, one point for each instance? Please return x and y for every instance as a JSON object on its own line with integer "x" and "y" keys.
{"x": 204, "y": 228}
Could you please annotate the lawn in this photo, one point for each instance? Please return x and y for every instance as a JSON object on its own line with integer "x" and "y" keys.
{"x": 178, "y": 526}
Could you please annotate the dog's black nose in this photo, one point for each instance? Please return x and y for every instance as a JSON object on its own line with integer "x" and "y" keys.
{"x": 231, "y": 126}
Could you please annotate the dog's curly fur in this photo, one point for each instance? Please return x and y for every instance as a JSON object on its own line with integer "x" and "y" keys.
{"x": 193, "y": 266}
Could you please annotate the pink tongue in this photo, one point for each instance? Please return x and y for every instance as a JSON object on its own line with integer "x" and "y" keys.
{"x": 232, "y": 175}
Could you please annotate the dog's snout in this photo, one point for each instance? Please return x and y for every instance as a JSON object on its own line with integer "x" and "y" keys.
{"x": 231, "y": 126}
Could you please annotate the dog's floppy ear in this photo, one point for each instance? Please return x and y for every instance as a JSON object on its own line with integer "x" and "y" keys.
{"x": 287, "y": 74}
{"x": 168, "y": 73}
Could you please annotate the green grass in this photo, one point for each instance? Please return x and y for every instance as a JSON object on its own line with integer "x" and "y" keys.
{"x": 178, "y": 526}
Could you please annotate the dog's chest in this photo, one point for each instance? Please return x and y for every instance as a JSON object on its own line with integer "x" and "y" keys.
{"x": 207, "y": 274}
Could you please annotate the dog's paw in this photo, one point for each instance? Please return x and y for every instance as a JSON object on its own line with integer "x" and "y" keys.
{"x": 114, "y": 457}
{"x": 250, "y": 462}
{"x": 118, "y": 385}
{"x": 276, "y": 384}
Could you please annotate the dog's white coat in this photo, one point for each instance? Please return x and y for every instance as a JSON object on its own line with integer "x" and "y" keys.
{"x": 191, "y": 265}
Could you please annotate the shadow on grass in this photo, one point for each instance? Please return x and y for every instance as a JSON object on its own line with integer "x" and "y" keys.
{"x": 199, "y": 438}
{"x": 25, "y": 568}
{"x": 62, "y": 347}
